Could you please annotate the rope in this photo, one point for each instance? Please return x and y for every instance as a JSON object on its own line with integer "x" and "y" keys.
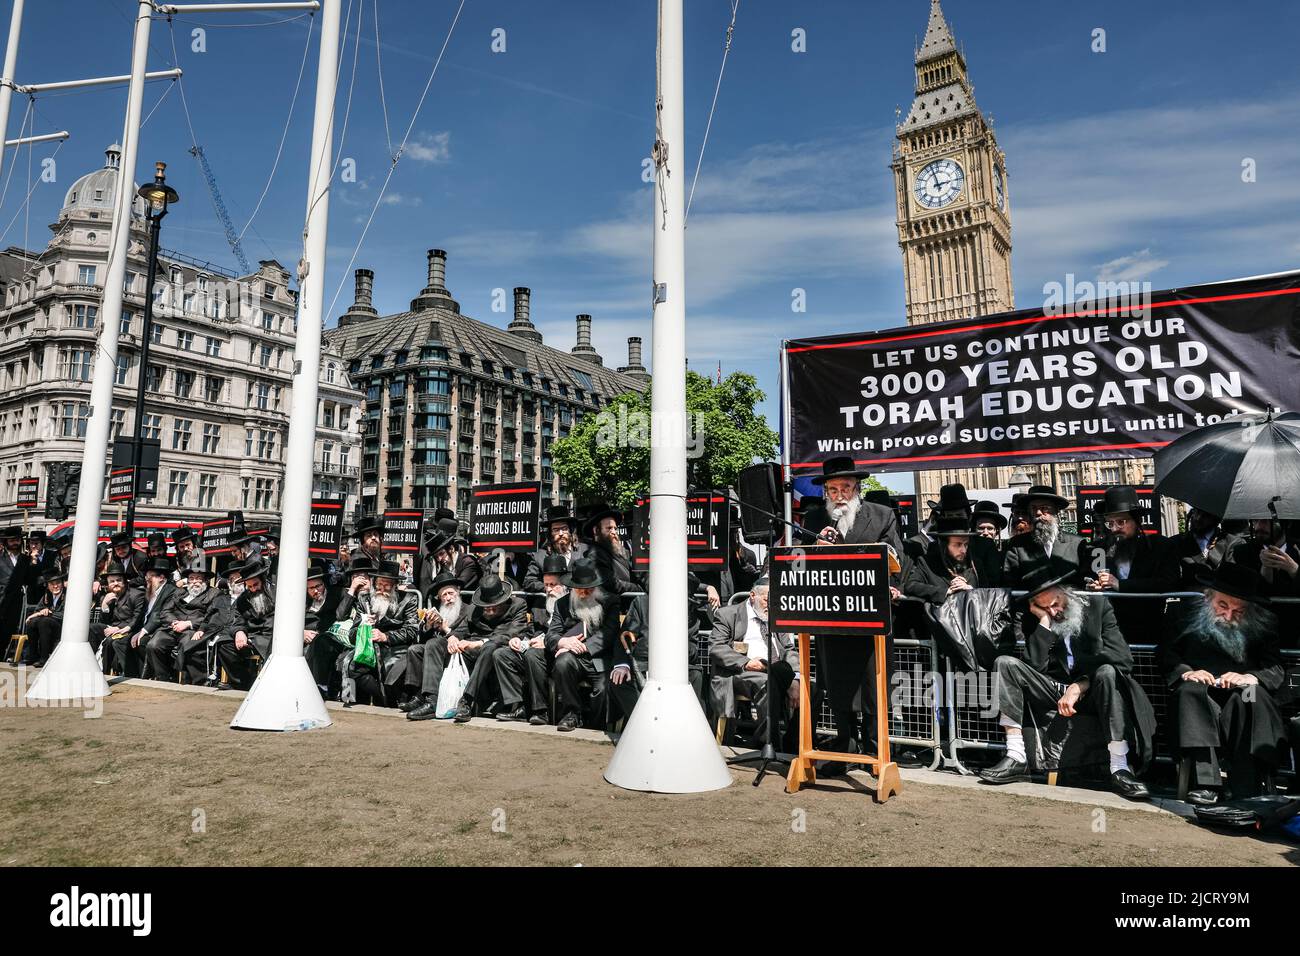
{"x": 731, "y": 29}
{"x": 170, "y": 87}
{"x": 379, "y": 66}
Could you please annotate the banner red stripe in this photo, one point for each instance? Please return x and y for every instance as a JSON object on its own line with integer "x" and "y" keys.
{"x": 503, "y": 491}
{"x": 489, "y": 544}
{"x": 991, "y": 454}
{"x": 874, "y": 556}
{"x": 781, "y": 622}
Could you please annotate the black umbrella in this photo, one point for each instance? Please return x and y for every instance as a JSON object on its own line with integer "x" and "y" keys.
{"x": 1247, "y": 466}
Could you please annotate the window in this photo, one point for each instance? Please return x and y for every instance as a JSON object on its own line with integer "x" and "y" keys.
{"x": 78, "y": 362}
{"x": 128, "y": 281}
{"x": 243, "y": 496}
{"x": 214, "y": 347}
{"x": 213, "y": 385}
{"x": 343, "y": 458}
{"x": 345, "y": 412}
{"x": 278, "y": 393}
{"x": 116, "y": 419}
{"x": 123, "y": 369}
{"x": 1109, "y": 475}
{"x": 153, "y": 380}
{"x": 248, "y": 444}
{"x": 265, "y": 495}
{"x": 86, "y": 275}
{"x": 268, "y": 290}
{"x": 176, "y": 488}
{"x": 203, "y": 283}
{"x": 266, "y": 445}
{"x": 207, "y": 490}
{"x": 185, "y": 340}
{"x": 155, "y": 334}
{"x": 326, "y": 454}
{"x": 1069, "y": 484}
{"x": 184, "y": 383}
{"x": 151, "y": 426}
{"x": 72, "y": 419}
{"x": 327, "y": 415}
{"x": 268, "y": 321}
{"x": 181, "y": 434}
{"x": 262, "y": 398}
{"x": 397, "y": 388}
{"x": 211, "y": 438}
{"x": 84, "y": 316}
{"x": 488, "y": 368}
{"x": 329, "y": 373}
{"x": 187, "y": 302}
{"x": 124, "y": 324}
{"x": 264, "y": 357}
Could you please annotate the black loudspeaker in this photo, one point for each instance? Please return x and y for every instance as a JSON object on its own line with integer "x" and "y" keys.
{"x": 759, "y": 489}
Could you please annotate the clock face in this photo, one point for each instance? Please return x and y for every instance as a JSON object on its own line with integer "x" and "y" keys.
{"x": 999, "y": 191}
{"x": 939, "y": 183}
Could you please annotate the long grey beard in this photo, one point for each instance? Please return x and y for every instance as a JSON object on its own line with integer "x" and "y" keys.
{"x": 845, "y": 514}
{"x": 380, "y": 605}
{"x": 193, "y": 595}
{"x": 260, "y": 603}
{"x": 450, "y": 613}
{"x": 588, "y": 610}
{"x": 551, "y": 601}
{"x": 1233, "y": 639}
{"x": 1072, "y": 624}
{"x": 1045, "y": 532}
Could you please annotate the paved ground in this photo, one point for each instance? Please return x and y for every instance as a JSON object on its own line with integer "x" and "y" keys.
{"x": 159, "y": 779}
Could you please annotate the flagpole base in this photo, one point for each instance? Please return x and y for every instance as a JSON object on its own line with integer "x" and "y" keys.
{"x": 284, "y": 697}
{"x": 71, "y": 674}
{"x": 667, "y": 746}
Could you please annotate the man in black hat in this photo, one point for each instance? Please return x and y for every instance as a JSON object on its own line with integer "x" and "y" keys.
{"x": 393, "y": 616}
{"x": 131, "y": 653}
{"x": 607, "y": 550}
{"x": 131, "y": 560}
{"x": 1202, "y": 547}
{"x": 526, "y": 657}
{"x": 45, "y": 623}
{"x": 1221, "y": 659}
{"x": 196, "y": 616}
{"x": 447, "y": 614}
{"x": 846, "y": 664}
{"x": 561, "y": 539}
{"x": 1046, "y": 539}
{"x": 370, "y": 535}
{"x": 496, "y": 617}
{"x": 950, "y": 564}
{"x": 1020, "y": 522}
{"x": 186, "y": 540}
{"x": 252, "y": 616}
{"x": 1076, "y": 661}
{"x": 120, "y": 609}
{"x": 320, "y": 648}
{"x": 582, "y": 640}
{"x": 11, "y": 593}
{"x": 155, "y": 545}
{"x": 988, "y": 522}
{"x": 1128, "y": 560}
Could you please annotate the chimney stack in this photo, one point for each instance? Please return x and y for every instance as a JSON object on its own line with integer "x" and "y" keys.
{"x": 522, "y": 325}
{"x": 583, "y": 350}
{"x": 435, "y": 294}
{"x": 634, "y": 368}
{"x": 361, "y": 307}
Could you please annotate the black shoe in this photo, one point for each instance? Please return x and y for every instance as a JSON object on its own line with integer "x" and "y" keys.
{"x": 1128, "y": 786}
{"x": 516, "y": 712}
{"x": 1006, "y": 770}
{"x": 567, "y": 722}
{"x": 428, "y": 710}
{"x": 1204, "y": 797}
{"x": 464, "y": 710}
{"x": 411, "y": 703}
{"x": 538, "y": 719}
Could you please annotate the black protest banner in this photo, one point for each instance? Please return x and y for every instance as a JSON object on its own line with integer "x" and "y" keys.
{"x": 504, "y": 516}
{"x": 707, "y": 519}
{"x": 831, "y": 589}
{"x": 1090, "y": 521}
{"x": 28, "y": 492}
{"x": 121, "y": 484}
{"x": 1117, "y": 375}
{"x": 402, "y": 530}
{"x": 325, "y": 528}
{"x": 217, "y": 536}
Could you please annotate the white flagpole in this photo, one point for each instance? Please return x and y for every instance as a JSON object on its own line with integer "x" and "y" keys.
{"x": 285, "y": 696}
{"x": 667, "y": 746}
{"x": 11, "y": 64}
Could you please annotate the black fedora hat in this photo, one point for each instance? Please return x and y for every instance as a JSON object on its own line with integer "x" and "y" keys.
{"x": 1047, "y": 492}
{"x": 253, "y": 568}
{"x": 559, "y": 513}
{"x": 121, "y": 538}
{"x": 492, "y": 590}
{"x": 878, "y": 496}
{"x": 599, "y": 513}
{"x": 361, "y": 565}
{"x": 1119, "y": 499}
{"x": 52, "y": 577}
{"x": 440, "y": 513}
{"x": 583, "y": 574}
{"x": 952, "y": 526}
{"x": 160, "y": 566}
{"x": 184, "y": 533}
{"x": 841, "y": 466}
{"x": 554, "y": 564}
{"x": 197, "y": 566}
{"x": 437, "y": 541}
{"x": 317, "y": 571}
{"x": 388, "y": 569}
{"x": 1235, "y": 580}
{"x": 444, "y": 580}
{"x": 156, "y": 537}
{"x": 114, "y": 569}
{"x": 13, "y": 531}
{"x": 1053, "y": 572}
{"x": 953, "y": 498}
{"x": 369, "y": 523}
{"x": 988, "y": 511}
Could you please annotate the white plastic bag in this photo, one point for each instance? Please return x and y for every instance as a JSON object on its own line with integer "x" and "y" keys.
{"x": 452, "y": 686}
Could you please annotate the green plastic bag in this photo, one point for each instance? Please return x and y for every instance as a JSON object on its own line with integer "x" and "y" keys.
{"x": 365, "y": 647}
{"x": 341, "y": 631}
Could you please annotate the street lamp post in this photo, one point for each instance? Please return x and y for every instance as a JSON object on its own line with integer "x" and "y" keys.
{"x": 159, "y": 196}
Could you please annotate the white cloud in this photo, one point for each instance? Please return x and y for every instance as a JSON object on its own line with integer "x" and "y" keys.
{"x": 399, "y": 199}
{"x": 1131, "y": 268}
{"x": 430, "y": 147}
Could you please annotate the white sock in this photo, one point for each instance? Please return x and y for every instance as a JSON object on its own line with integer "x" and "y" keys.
{"x": 1118, "y": 755}
{"x": 1016, "y": 746}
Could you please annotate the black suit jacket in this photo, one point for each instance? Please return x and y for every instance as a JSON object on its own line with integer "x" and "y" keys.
{"x": 533, "y": 577}
{"x": 162, "y": 608}
{"x": 928, "y": 578}
{"x": 1184, "y": 649}
{"x": 1023, "y": 552}
{"x": 602, "y": 643}
{"x": 125, "y": 611}
{"x": 1186, "y": 551}
{"x": 1099, "y": 642}
{"x": 616, "y": 569}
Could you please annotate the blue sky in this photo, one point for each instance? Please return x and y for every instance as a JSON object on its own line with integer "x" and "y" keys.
{"x": 526, "y": 165}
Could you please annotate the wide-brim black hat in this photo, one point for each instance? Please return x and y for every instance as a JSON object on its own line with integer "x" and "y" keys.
{"x": 1053, "y": 572}
{"x": 440, "y": 513}
{"x": 436, "y": 542}
{"x": 114, "y": 568}
{"x": 952, "y": 526}
{"x": 317, "y": 571}
{"x": 808, "y": 503}
{"x": 1235, "y": 580}
{"x": 988, "y": 510}
{"x": 156, "y": 537}
{"x": 184, "y": 533}
{"x": 197, "y": 566}
{"x": 369, "y": 523}
{"x": 1117, "y": 500}
{"x": 954, "y": 498}
{"x": 559, "y": 513}
{"x": 841, "y": 466}
{"x": 122, "y": 537}
{"x": 1044, "y": 491}
{"x": 554, "y": 564}
{"x": 160, "y": 566}
{"x": 601, "y": 512}
{"x": 878, "y": 496}
{"x": 52, "y": 577}
{"x": 361, "y": 565}
{"x": 583, "y": 574}
{"x": 254, "y": 568}
{"x": 492, "y": 590}
{"x": 388, "y": 569}
{"x": 13, "y": 531}
{"x": 444, "y": 580}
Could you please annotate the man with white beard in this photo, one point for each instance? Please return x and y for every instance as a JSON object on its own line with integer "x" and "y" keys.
{"x": 445, "y": 617}
{"x": 1221, "y": 659}
{"x": 1046, "y": 540}
{"x": 393, "y": 616}
{"x": 251, "y": 618}
{"x": 131, "y": 652}
{"x": 1076, "y": 662}
{"x": 527, "y": 653}
{"x": 320, "y": 648}
{"x": 199, "y": 613}
{"x": 582, "y": 637}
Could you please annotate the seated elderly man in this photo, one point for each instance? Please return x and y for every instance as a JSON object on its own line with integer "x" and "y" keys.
{"x": 527, "y": 654}
{"x": 447, "y": 616}
{"x": 396, "y": 625}
{"x": 131, "y": 652}
{"x": 1220, "y": 657}
{"x": 45, "y": 624}
{"x": 252, "y": 615}
{"x": 197, "y": 615}
{"x": 119, "y": 609}
{"x": 582, "y": 639}
{"x": 738, "y": 651}
{"x": 949, "y": 564}
{"x": 320, "y": 648}
{"x": 1076, "y": 661}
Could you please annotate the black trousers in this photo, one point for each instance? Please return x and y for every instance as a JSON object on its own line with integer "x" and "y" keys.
{"x": 426, "y": 662}
{"x": 42, "y": 636}
{"x": 846, "y": 668}
{"x": 130, "y": 661}
{"x": 528, "y": 673}
{"x": 161, "y": 651}
{"x": 239, "y": 665}
{"x": 322, "y": 656}
{"x": 192, "y": 658}
{"x": 1210, "y": 721}
{"x": 97, "y": 638}
{"x": 1024, "y": 692}
{"x": 568, "y": 671}
{"x": 761, "y": 688}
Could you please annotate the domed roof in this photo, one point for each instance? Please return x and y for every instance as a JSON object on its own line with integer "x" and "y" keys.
{"x": 98, "y": 190}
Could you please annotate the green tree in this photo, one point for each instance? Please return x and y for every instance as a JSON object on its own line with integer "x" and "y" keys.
{"x": 607, "y": 456}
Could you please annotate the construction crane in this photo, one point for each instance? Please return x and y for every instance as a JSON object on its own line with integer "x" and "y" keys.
{"x": 219, "y": 204}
